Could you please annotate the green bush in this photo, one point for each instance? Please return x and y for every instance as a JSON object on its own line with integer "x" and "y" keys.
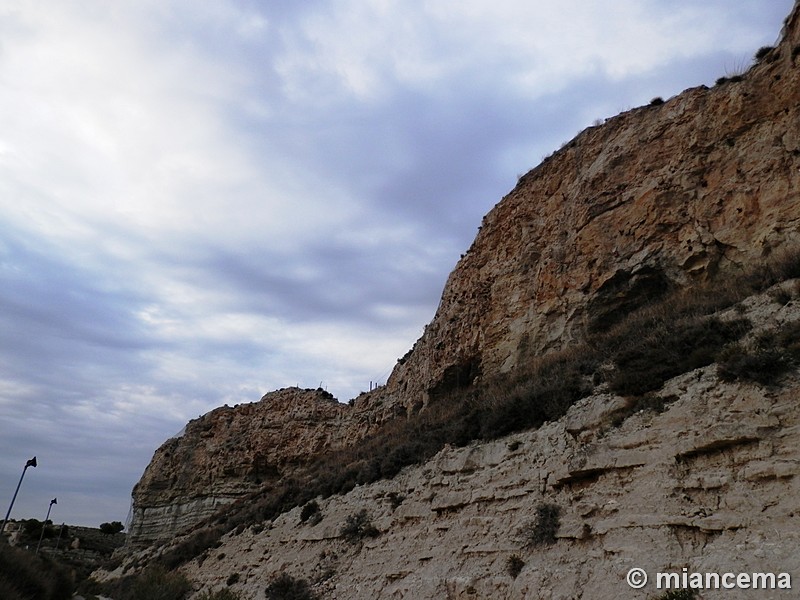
{"x": 286, "y": 587}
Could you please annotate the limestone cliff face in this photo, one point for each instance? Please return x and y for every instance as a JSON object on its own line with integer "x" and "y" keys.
{"x": 657, "y": 197}
{"x": 229, "y": 452}
{"x": 710, "y": 484}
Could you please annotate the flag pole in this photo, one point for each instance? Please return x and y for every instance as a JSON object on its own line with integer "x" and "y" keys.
{"x": 47, "y": 518}
{"x": 30, "y": 463}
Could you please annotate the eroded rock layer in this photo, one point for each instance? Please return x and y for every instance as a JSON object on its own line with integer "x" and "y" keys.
{"x": 706, "y": 479}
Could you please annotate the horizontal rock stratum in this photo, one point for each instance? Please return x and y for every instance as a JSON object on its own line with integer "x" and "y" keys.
{"x": 664, "y": 196}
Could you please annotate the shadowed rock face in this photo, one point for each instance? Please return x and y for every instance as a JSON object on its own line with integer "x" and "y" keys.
{"x": 657, "y": 197}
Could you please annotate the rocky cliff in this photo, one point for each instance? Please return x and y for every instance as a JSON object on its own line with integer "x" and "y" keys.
{"x": 706, "y": 478}
{"x": 229, "y": 452}
{"x": 660, "y": 197}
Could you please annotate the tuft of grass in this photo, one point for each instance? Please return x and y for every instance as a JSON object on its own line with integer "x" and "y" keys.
{"x": 763, "y": 52}
{"x": 514, "y": 565}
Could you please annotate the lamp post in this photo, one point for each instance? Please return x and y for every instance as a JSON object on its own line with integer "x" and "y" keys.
{"x": 30, "y": 463}
{"x": 47, "y": 518}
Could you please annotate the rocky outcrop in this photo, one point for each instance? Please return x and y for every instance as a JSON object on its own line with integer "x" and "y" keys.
{"x": 709, "y": 484}
{"x": 661, "y": 196}
{"x": 230, "y": 452}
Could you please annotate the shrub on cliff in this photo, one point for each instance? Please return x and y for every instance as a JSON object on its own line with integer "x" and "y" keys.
{"x": 192, "y": 546}
{"x": 543, "y": 529}
{"x": 286, "y": 587}
{"x": 768, "y": 357}
{"x": 514, "y": 565}
{"x": 669, "y": 348}
{"x": 357, "y": 527}
{"x": 310, "y": 511}
{"x": 157, "y": 584}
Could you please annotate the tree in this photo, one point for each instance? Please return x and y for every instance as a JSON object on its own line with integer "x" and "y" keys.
{"x": 111, "y": 528}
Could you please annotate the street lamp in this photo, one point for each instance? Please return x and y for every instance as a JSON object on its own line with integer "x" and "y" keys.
{"x": 30, "y": 463}
{"x": 47, "y": 518}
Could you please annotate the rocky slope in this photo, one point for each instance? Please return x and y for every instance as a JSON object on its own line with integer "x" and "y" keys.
{"x": 660, "y": 196}
{"x": 706, "y": 479}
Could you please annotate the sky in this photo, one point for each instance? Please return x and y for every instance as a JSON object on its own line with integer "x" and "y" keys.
{"x": 201, "y": 202}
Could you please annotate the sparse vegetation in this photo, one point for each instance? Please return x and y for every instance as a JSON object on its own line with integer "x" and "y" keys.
{"x": 514, "y": 565}
{"x": 657, "y": 101}
{"x": 232, "y": 579}
{"x": 543, "y": 529}
{"x": 764, "y": 360}
{"x": 762, "y": 52}
{"x": 357, "y": 527}
{"x": 395, "y": 499}
{"x": 310, "y": 510}
{"x": 286, "y": 587}
{"x": 154, "y": 583}
{"x": 761, "y": 365}
{"x": 669, "y": 347}
{"x": 647, "y": 345}
{"x": 24, "y": 575}
{"x": 194, "y": 544}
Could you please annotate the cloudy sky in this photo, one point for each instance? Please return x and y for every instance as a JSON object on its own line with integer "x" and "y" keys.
{"x": 204, "y": 201}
